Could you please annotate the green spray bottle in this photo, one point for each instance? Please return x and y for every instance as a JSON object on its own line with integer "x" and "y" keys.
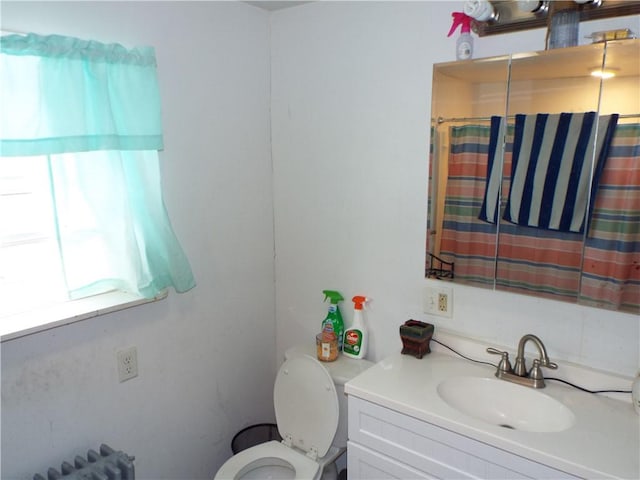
{"x": 334, "y": 317}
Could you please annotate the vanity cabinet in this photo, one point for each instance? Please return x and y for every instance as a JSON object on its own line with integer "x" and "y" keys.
{"x": 384, "y": 444}
{"x": 402, "y": 426}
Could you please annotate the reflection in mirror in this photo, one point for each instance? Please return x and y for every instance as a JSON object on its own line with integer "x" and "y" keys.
{"x": 611, "y": 259}
{"x": 465, "y": 96}
{"x": 545, "y": 261}
{"x": 505, "y": 208}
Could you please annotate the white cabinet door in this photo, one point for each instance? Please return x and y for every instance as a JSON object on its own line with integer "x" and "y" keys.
{"x": 432, "y": 451}
{"x": 363, "y": 463}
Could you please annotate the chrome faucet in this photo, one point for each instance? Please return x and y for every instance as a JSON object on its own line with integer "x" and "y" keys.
{"x": 518, "y": 374}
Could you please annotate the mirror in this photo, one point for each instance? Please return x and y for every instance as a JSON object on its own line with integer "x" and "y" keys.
{"x": 534, "y": 182}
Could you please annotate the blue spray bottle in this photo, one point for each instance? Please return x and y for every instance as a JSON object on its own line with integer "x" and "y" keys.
{"x": 464, "y": 44}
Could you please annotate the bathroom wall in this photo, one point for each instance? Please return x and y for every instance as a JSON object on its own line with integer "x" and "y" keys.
{"x": 350, "y": 88}
{"x": 206, "y": 358}
{"x": 350, "y": 120}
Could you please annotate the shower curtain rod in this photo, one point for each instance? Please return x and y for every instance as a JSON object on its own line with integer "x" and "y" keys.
{"x": 442, "y": 120}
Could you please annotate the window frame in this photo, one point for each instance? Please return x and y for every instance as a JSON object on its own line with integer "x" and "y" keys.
{"x": 39, "y": 320}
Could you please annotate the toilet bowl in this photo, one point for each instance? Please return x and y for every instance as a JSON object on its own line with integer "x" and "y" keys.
{"x": 268, "y": 460}
{"x": 307, "y": 413}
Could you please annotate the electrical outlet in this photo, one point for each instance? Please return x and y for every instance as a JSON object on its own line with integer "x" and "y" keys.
{"x": 438, "y": 300}
{"x": 127, "y": 363}
{"x": 443, "y": 302}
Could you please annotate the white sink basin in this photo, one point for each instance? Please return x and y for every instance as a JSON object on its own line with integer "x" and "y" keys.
{"x": 505, "y": 404}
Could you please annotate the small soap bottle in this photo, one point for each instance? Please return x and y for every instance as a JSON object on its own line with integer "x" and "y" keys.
{"x": 635, "y": 393}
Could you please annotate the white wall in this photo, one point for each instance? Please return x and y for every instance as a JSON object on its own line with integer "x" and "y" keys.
{"x": 206, "y": 358}
{"x": 350, "y": 106}
{"x": 350, "y": 121}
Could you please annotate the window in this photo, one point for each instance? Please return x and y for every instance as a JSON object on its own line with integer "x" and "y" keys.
{"x": 81, "y": 209}
{"x": 27, "y": 237}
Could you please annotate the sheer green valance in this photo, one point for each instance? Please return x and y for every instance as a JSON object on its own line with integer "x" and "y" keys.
{"x": 79, "y": 96}
{"x": 85, "y": 116}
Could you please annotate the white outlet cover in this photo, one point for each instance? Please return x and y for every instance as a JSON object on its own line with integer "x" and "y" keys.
{"x": 127, "y": 363}
{"x": 430, "y": 300}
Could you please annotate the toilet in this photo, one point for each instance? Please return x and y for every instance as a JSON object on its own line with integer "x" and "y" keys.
{"x": 311, "y": 414}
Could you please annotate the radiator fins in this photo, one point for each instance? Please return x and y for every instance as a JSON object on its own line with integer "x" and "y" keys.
{"x": 106, "y": 465}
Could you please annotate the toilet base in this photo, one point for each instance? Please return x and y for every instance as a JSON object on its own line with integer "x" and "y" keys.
{"x": 328, "y": 463}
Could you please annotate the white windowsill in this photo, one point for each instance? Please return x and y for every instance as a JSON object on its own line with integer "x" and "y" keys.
{"x": 27, "y": 323}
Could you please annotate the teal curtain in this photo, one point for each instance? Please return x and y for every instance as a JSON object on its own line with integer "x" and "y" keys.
{"x": 94, "y": 111}
{"x": 63, "y": 94}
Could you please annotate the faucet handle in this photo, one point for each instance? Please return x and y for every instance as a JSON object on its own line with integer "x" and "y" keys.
{"x": 548, "y": 364}
{"x": 535, "y": 374}
{"x": 505, "y": 365}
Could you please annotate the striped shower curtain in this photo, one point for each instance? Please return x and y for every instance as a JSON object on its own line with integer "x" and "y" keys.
{"x": 546, "y": 262}
{"x": 466, "y": 240}
{"x": 611, "y": 270}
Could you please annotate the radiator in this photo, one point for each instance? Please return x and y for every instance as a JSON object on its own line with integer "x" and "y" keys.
{"x": 106, "y": 465}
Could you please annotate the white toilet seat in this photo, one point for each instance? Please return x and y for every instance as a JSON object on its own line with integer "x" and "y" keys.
{"x": 307, "y": 414}
{"x": 265, "y": 454}
{"x": 306, "y": 405}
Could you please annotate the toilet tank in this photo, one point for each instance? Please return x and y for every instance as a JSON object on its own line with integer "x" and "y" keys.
{"x": 341, "y": 370}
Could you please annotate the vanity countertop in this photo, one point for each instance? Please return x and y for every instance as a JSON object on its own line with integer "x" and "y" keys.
{"x": 604, "y": 441}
